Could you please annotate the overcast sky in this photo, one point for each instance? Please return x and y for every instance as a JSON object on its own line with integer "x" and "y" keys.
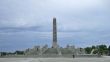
{"x": 26, "y": 23}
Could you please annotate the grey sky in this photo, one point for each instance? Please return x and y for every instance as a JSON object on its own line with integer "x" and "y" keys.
{"x": 25, "y": 23}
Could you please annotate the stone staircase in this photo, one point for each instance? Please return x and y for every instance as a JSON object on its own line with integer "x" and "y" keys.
{"x": 51, "y": 51}
{"x": 66, "y": 51}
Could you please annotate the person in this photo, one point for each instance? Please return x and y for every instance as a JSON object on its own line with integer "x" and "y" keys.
{"x": 73, "y": 56}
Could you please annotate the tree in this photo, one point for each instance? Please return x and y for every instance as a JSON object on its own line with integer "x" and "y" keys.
{"x": 19, "y": 52}
{"x": 109, "y": 50}
{"x": 88, "y": 50}
{"x": 3, "y": 53}
{"x": 102, "y": 49}
{"x": 93, "y": 47}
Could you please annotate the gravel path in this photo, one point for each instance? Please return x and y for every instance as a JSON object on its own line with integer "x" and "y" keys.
{"x": 103, "y": 59}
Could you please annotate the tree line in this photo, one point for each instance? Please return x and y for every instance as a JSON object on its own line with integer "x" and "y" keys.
{"x": 12, "y": 53}
{"x": 99, "y": 49}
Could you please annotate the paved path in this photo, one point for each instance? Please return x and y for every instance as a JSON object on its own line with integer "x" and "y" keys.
{"x": 104, "y": 59}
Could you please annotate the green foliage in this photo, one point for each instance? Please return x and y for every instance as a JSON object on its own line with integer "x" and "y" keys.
{"x": 3, "y": 53}
{"x": 93, "y": 47}
{"x": 19, "y": 52}
{"x": 88, "y": 50}
{"x": 109, "y": 50}
{"x": 102, "y": 49}
{"x": 95, "y": 52}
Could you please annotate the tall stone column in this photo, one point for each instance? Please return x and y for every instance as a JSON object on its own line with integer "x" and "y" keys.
{"x": 54, "y": 45}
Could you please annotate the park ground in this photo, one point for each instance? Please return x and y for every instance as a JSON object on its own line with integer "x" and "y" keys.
{"x": 102, "y": 59}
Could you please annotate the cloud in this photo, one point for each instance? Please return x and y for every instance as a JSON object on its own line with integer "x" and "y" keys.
{"x": 19, "y": 29}
{"x": 77, "y": 21}
{"x": 34, "y": 13}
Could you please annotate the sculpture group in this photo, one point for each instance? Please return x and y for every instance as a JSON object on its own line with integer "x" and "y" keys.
{"x": 55, "y": 50}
